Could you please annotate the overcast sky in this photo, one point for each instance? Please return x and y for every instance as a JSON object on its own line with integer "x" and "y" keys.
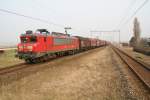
{"x": 82, "y": 15}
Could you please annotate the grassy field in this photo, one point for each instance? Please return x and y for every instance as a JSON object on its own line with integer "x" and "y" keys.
{"x": 8, "y": 58}
{"x": 137, "y": 55}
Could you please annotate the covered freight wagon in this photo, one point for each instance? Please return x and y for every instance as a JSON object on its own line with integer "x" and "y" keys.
{"x": 84, "y": 43}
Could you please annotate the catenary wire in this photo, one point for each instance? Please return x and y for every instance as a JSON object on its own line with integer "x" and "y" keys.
{"x": 30, "y": 17}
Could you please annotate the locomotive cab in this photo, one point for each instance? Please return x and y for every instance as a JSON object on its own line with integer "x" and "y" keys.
{"x": 33, "y": 45}
{"x": 28, "y": 42}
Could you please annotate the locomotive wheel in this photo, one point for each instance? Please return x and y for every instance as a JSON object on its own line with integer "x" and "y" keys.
{"x": 37, "y": 60}
{"x": 40, "y": 60}
{"x": 45, "y": 58}
{"x": 72, "y": 52}
{"x": 29, "y": 61}
{"x": 53, "y": 56}
{"x": 34, "y": 60}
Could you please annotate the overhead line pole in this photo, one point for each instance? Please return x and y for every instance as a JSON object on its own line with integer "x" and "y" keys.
{"x": 107, "y": 31}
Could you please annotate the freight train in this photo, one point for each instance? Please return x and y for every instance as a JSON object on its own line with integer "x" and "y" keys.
{"x": 43, "y": 45}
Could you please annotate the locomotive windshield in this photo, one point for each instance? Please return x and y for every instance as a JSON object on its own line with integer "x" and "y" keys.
{"x": 31, "y": 39}
{"x": 24, "y": 40}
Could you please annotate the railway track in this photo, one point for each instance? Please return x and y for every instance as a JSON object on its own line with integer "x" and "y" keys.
{"x": 12, "y": 68}
{"x": 22, "y": 66}
{"x": 141, "y": 69}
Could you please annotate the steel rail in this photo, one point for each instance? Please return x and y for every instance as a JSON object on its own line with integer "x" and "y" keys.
{"x": 11, "y": 68}
{"x": 141, "y": 69}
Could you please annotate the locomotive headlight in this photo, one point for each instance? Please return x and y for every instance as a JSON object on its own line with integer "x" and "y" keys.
{"x": 29, "y": 48}
{"x": 20, "y": 47}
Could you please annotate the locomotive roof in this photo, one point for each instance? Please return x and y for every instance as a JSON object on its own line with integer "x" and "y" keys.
{"x": 45, "y": 35}
{"x": 43, "y": 30}
{"x": 34, "y": 34}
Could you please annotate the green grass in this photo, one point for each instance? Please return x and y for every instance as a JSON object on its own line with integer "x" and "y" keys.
{"x": 8, "y": 58}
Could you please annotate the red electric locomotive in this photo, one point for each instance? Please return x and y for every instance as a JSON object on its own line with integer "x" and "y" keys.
{"x": 41, "y": 45}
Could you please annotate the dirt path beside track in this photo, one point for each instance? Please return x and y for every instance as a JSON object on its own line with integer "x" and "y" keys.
{"x": 92, "y": 75}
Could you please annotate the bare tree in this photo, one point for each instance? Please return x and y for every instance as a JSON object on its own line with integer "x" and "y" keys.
{"x": 136, "y": 30}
